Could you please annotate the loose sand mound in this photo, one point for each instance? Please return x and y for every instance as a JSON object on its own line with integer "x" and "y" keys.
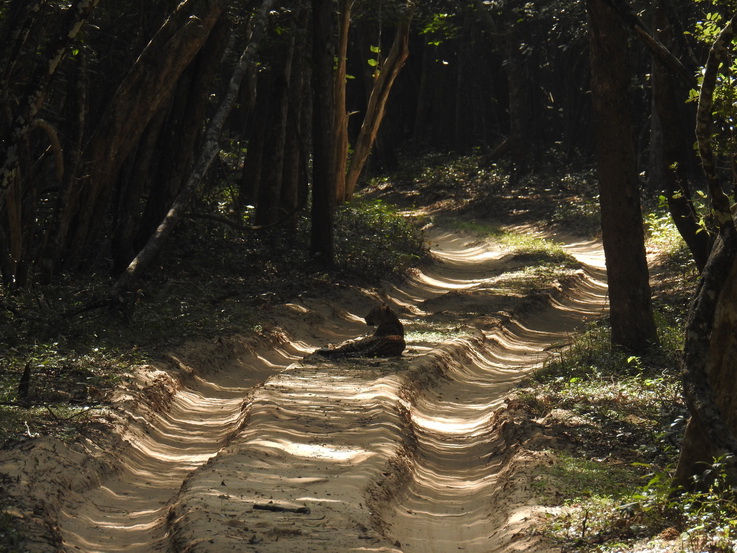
{"x": 246, "y": 445}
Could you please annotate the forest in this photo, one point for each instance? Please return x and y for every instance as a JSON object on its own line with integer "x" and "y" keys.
{"x": 196, "y": 195}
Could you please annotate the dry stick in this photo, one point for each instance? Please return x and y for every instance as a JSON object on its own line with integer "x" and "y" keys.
{"x": 209, "y": 151}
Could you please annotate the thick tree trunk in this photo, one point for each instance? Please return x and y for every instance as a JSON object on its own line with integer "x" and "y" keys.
{"x": 709, "y": 366}
{"x": 146, "y": 88}
{"x": 323, "y": 140}
{"x": 633, "y": 325}
{"x": 379, "y": 97}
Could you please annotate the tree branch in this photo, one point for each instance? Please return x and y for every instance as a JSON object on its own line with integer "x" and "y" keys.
{"x": 658, "y": 49}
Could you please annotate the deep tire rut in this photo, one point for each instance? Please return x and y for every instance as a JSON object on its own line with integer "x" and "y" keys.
{"x": 278, "y": 454}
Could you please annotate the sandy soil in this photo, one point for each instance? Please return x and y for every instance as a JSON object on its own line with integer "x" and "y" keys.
{"x": 252, "y": 444}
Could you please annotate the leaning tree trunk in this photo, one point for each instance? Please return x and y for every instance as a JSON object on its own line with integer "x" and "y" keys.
{"x": 177, "y": 143}
{"x": 710, "y": 349}
{"x": 378, "y": 99}
{"x": 210, "y": 149}
{"x": 147, "y": 87}
{"x": 631, "y": 315}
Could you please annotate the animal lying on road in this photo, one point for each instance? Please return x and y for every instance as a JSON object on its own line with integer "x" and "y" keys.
{"x": 386, "y": 341}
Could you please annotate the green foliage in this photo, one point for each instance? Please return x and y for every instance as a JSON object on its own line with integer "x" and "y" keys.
{"x": 618, "y": 496}
{"x": 440, "y": 28}
{"x": 710, "y": 516}
{"x": 724, "y": 109}
{"x": 373, "y": 238}
{"x": 661, "y": 230}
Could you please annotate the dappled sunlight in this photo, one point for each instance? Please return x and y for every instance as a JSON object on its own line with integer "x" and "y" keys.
{"x": 307, "y": 451}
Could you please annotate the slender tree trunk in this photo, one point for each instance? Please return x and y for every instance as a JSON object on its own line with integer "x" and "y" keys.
{"x": 633, "y": 325}
{"x": 674, "y": 164}
{"x": 250, "y": 181}
{"x": 268, "y": 207}
{"x": 323, "y": 140}
{"x": 341, "y": 116}
{"x": 295, "y": 148}
{"x": 516, "y": 143}
{"x": 74, "y": 18}
{"x": 379, "y": 97}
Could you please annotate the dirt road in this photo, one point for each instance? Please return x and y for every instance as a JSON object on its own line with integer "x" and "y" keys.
{"x": 258, "y": 449}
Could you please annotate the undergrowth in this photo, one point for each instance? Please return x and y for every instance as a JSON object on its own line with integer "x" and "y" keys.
{"x": 617, "y": 421}
{"x": 213, "y": 281}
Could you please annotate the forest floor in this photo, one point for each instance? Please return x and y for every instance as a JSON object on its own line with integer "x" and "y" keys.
{"x": 247, "y": 442}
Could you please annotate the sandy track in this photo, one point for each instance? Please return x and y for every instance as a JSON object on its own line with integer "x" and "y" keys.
{"x": 259, "y": 450}
{"x": 389, "y": 455}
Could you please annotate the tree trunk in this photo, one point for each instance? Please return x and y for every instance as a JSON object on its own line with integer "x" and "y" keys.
{"x": 341, "y": 116}
{"x": 268, "y": 206}
{"x": 379, "y": 97}
{"x": 711, "y": 329}
{"x": 146, "y": 88}
{"x": 514, "y": 66}
{"x": 668, "y": 95}
{"x": 210, "y": 149}
{"x": 296, "y": 149}
{"x": 633, "y": 325}
{"x": 74, "y": 18}
{"x": 323, "y": 139}
{"x": 177, "y": 143}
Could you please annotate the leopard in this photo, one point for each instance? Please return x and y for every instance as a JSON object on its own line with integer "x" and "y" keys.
{"x": 386, "y": 341}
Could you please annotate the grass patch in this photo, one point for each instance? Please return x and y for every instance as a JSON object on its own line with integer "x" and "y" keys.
{"x": 622, "y": 416}
{"x": 619, "y": 420}
{"x": 374, "y": 238}
{"x": 521, "y": 243}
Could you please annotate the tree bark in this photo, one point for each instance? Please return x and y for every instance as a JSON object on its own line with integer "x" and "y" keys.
{"x": 378, "y": 99}
{"x": 341, "y": 116}
{"x": 632, "y": 321}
